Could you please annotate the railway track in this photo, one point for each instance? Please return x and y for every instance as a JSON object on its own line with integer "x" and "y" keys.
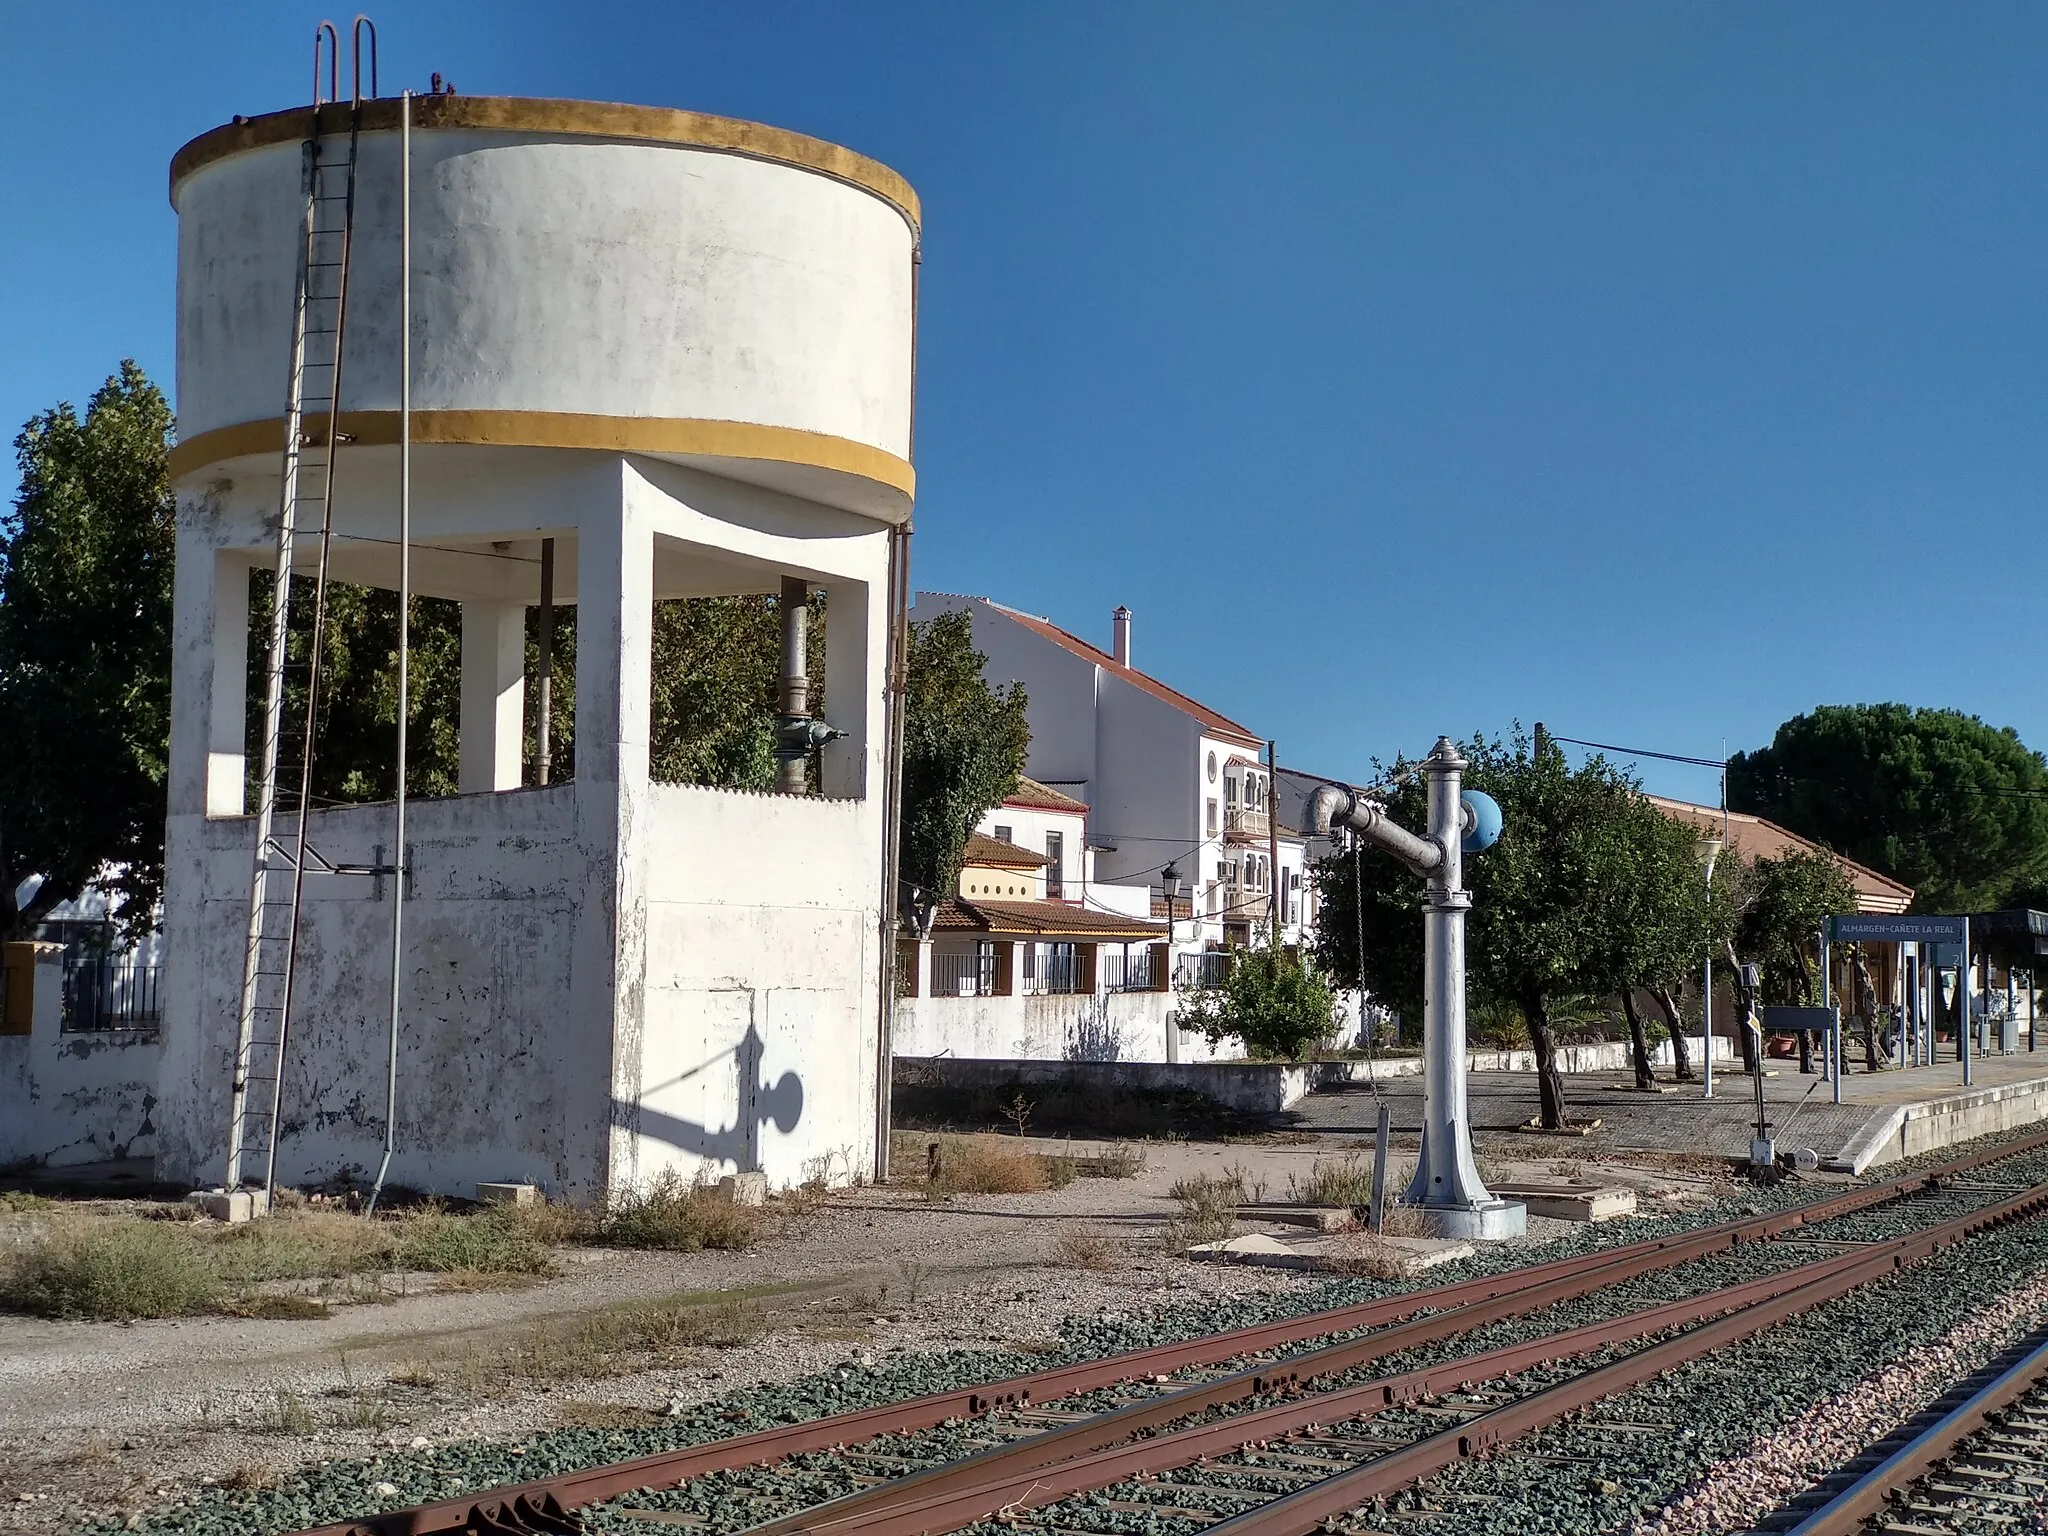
{"x": 1276, "y": 1430}
{"x": 1975, "y": 1460}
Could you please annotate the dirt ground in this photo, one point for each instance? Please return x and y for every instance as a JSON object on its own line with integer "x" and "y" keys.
{"x": 103, "y": 1419}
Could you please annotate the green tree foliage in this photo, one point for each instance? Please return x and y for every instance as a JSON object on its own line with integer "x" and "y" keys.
{"x": 1780, "y": 907}
{"x": 1590, "y": 889}
{"x": 717, "y": 667}
{"x": 964, "y": 744}
{"x": 1955, "y": 808}
{"x": 1272, "y": 1000}
{"x": 85, "y": 631}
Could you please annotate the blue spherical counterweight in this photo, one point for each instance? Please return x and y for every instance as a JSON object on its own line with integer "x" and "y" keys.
{"x": 1481, "y": 820}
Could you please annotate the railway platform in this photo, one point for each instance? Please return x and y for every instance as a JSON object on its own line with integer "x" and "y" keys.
{"x": 1883, "y": 1116}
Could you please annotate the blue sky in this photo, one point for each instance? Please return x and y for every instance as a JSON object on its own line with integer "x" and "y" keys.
{"x": 1654, "y": 371}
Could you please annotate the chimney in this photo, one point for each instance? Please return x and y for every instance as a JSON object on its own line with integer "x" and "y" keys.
{"x": 1120, "y": 629}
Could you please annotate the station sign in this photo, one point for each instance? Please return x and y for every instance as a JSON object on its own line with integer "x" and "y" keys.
{"x": 1896, "y": 928}
{"x": 1775, "y": 1019}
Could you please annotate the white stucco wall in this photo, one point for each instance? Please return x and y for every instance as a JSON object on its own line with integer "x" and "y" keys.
{"x": 762, "y": 970}
{"x": 74, "y": 1098}
{"x": 505, "y": 1048}
{"x": 1059, "y": 686}
{"x": 1047, "y": 1028}
{"x": 570, "y": 274}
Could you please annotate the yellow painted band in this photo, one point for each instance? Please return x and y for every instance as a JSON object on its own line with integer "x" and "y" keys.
{"x": 578, "y": 119}
{"x": 570, "y": 429}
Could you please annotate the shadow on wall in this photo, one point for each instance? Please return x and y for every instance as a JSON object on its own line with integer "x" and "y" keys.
{"x": 780, "y": 1104}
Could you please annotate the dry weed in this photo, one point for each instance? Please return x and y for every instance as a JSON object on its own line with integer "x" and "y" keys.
{"x": 1369, "y": 1255}
{"x": 247, "y": 1477}
{"x": 983, "y": 1165}
{"x": 1087, "y": 1250}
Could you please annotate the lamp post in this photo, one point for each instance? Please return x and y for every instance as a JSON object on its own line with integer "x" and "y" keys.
{"x": 1708, "y": 849}
{"x": 1169, "y": 882}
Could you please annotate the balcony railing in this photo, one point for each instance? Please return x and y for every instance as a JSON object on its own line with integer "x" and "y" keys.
{"x": 1051, "y": 970}
{"x": 964, "y": 975}
{"x": 1126, "y": 971}
{"x": 1195, "y": 972}
{"x": 1249, "y": 819}
{"x": 1245, "y": 904}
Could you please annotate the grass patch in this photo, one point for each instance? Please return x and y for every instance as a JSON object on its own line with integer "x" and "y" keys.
{"x": 121, "y": 1268}
{"x": 677, "y": 1214}
{"x": 115, "y": 1271}
{"x": 1345, "y": 1181}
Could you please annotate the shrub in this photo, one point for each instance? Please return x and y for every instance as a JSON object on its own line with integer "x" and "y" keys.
{"x": 984, "y": 1165}
{"x": 1345, "y": 1181}
{"x": 113, "y": 1271}
{"x": 1272, "y": 1000}
{"x": 1208, "y": 1210}
{"x": 684, "y": 1216}
{"x": 492, "y": 1241}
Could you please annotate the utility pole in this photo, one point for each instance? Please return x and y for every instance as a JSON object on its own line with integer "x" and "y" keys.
{"x": 1273, "y": 843}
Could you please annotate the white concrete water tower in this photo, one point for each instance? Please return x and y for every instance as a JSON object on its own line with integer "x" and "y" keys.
{"x": 681, "y": 348}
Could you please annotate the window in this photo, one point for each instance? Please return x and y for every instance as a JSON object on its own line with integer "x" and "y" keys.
{"x": 1212, "y": 767}
{"x": 1212, "y": 817}
{"x": 1055, "y": 875}
{"x": 1005, "y": 834}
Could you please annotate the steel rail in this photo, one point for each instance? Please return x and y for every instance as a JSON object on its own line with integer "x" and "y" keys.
{"x": 1100, "y": 1431}
{"x": 1848, "y": 1510}
{"x": 543, "y": 1504}
{"x": 959, "y": 1502}
{"x": 1300, "y": 1514}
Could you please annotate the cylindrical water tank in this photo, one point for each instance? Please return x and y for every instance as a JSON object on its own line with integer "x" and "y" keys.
{"x": 584, "y": 275}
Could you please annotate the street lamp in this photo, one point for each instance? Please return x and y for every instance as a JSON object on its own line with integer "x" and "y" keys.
{"x": 1169, "y": 882}
{"x": 1708, "y": 849}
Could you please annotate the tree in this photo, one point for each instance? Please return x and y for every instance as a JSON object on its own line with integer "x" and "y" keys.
{"x": 1271, "y": 999}
{"x": 1955, "y": 808}
{"x": 1583, "y": 859}
{"x": 964, "y": 745}
{"x": 1780, "y": 907}
{"x": 85, "y": 647}
{"x": 1670, "y": 922}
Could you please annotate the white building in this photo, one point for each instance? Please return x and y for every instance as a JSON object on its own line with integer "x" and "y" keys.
{"x": 1168, "y": 782}
{"x": 1035, "y": 957}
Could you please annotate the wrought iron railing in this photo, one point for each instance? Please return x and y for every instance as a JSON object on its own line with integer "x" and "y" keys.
{"x": 968, "y": 974}
{"x": 103, "y": 993}
{"x": 1125, "y": 970}
{"x": 1194, "y": 972}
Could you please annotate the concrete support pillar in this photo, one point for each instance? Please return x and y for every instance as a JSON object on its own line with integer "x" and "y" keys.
{"x": 856, "y": 629}
{"x": 614, "y": 667}
{"x": 209, "y": 681}
{"x": 493, "y": 696}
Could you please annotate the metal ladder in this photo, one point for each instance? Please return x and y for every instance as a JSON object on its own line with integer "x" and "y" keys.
{"x": 284, "y": 793}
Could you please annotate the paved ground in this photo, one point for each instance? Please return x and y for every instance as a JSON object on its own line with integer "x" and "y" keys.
{"x": 1800, "y": 1108}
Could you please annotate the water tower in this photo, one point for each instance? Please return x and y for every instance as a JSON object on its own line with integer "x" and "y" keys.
{"x": 650, "y": 354}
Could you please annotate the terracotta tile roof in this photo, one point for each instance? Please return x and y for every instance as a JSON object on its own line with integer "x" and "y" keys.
{"x": 1755, "y": 838}
{"x": 1037, "y": 918}
{"x": 1034, "y": 796}
{"x": 1216, "y": 725}
{"x": 994, "y": 853}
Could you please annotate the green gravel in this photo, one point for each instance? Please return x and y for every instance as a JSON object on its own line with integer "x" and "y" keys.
{"x": 338, "y": 1490}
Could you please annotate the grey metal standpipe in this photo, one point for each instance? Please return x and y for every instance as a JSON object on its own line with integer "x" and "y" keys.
{"x": 796, "y": 682}
{"x": 1446, "y": 1188}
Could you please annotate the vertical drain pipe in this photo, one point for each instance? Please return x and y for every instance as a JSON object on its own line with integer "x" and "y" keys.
{"x": 404, "y": 618}
{"x": 791, "y": 766}
{"x": 896, "y": 688}
{"x": 543, "y": 746}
